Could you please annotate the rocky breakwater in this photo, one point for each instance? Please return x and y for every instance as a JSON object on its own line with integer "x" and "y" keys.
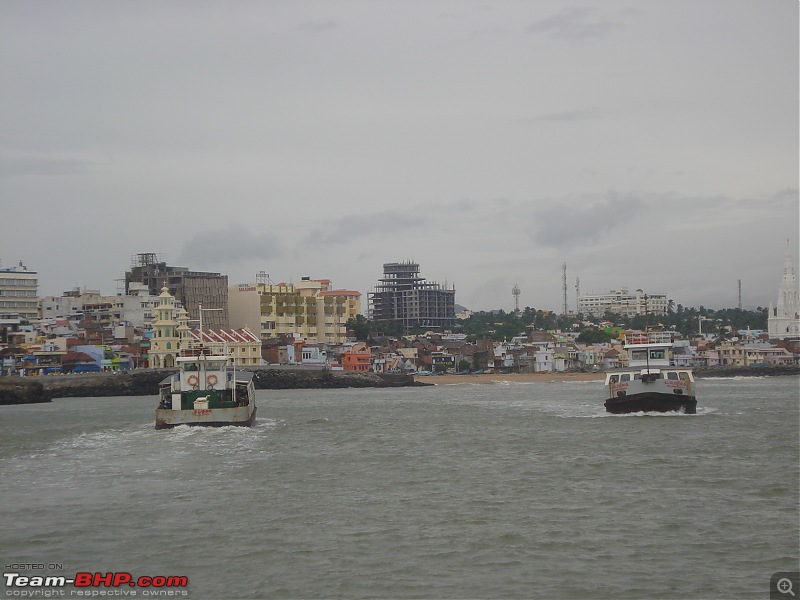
{"x": 750, "y": 371}
{"x": 16, "y": 390}
{"x": 290, "y": 379}
{"x": 20, "y": 390}
{"x": 26, "y": 390}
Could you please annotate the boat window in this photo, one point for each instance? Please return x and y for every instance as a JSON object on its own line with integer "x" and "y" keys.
{"x": 625, "y": 377}
{"x": 673, "y": 376}
{"x": 190, "y": 366}
{"x": 684, "y": 376}
{"x": 613, "y": 379}
{"x": 215, "y": 365}
{"x": 637, "y": 375}
{"x": 638, "y": 354}
{"x": 657, "y": 354}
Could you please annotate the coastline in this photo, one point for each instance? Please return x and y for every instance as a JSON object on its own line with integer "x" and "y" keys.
{"x": 485, "y": 378}
{"x": 699, "y": 373}
{"x": 29, "y": 390}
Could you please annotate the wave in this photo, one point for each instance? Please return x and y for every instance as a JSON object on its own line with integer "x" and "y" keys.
{"x": 734, "y": 378}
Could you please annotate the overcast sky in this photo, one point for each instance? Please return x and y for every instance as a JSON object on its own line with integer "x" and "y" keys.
{"x": 648, "y": 144}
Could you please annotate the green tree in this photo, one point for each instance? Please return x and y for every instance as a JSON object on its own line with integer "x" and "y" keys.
{"x": 594, "y": 336}
{"x": 360, "y": 326}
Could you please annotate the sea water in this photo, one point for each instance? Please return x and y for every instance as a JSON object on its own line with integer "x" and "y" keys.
{"x": 503, "y": 490}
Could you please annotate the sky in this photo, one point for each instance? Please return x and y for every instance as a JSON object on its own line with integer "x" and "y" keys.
{"x": 649, "y": 144}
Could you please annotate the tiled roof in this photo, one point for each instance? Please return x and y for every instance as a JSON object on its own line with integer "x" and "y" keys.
{"x": 76, "y": 357}
{"x": 230, "y": 336}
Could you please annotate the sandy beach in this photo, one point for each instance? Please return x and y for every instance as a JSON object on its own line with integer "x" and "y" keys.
{"x": 521, "y": 377}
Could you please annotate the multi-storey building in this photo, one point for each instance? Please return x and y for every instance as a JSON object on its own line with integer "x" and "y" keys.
{"x": 190, "y": 288}
{"x": 19, "y": 289}
{"x": 134, "y": 309}
{"x": 309, "y": 310}
{"x": 783, "y": 321}
{"x": 623, "y": 302}
{"x": 403, "y": 296}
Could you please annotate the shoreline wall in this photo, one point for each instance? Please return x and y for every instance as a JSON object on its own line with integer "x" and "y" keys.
{"x": 30, "y": 390}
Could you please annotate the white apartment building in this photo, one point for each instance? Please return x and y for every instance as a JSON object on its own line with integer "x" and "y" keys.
{"x": 135, "y": 309}
{"x": 19, "y": 290}
{"x": 623, "y": 302}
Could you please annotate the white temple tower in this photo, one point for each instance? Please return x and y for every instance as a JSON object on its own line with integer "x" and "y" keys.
{"x": 784, "y": 320}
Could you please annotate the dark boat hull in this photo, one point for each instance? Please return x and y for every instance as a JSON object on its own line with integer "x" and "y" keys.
{"x": 651, "y": 402}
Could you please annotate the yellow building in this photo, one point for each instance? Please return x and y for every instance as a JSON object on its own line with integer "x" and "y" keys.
{"x": 309, "y": 310}
{"x": 170, "y": 332}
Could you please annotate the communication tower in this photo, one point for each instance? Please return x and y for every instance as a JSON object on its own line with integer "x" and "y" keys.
{"x": 564, "y": 285}
{"x": 515, "y": 292}
{"x": 740, "y": 294}
{"x": 577, "y": 294}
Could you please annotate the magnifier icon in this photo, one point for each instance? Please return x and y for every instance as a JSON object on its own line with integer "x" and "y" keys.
{"x": 784, "y": 586}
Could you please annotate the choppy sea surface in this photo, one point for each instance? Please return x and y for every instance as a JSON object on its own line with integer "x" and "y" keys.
{"x": 504, "y": 490}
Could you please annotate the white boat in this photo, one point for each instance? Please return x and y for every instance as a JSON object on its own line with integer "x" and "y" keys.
{"x": 650, "y": 383}
{"x": 207, "y": 390}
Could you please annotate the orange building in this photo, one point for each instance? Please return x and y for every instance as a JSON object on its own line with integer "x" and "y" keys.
{"x": 358, "y": 358}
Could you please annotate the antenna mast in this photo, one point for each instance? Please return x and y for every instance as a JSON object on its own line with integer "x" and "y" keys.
{"x": 515, "y": 291}
{"x": 740, "y": 294}
{"x": 578, "y": 294}
{"x": 564, "y": 284}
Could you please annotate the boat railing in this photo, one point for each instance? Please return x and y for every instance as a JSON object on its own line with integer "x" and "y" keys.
{"x": 206, "y": 349}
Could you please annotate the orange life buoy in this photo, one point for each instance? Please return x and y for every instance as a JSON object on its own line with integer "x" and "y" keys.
{"x": 192, "y": 380}
{"x": 211, "y": 380}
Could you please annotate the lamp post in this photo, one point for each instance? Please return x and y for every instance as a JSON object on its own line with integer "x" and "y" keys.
{"x": 700, "y": 320}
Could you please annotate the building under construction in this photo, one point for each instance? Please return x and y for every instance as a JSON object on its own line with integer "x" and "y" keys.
{"x": 190, "y": 288}
{"x": 403, "y": 296}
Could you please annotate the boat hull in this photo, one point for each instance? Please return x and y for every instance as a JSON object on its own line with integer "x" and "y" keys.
{"x": 240, "y": 416}
{"x": 651, "y": 402}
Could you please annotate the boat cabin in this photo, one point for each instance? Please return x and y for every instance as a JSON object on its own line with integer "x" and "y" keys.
{"x": 203, "y": 372}
{"x": 627, "y": 375}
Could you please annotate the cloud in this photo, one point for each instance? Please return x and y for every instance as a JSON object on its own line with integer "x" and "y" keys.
{"x": 583, "y": 220}
{"x": 30, "y": 165}
{"x": 351, "y": 227}
{"x": 236, "y": 243}
{"x": 318, "y": 25}
{"x": 569, "y": 116}
{"x": 577, "y": 23}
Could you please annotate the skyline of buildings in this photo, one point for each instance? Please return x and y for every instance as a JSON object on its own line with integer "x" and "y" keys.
{"x": 401, "y": 295}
